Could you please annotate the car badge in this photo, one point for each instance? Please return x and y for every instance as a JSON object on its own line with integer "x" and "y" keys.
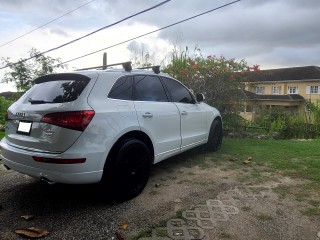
{"x": 20, "y": 115}
{"x": 49, "y": 132}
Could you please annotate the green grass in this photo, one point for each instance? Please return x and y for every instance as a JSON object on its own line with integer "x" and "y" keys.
{"x": 1, "y": 135}
{"x": 264, "y": 217}
{"x": 279, "y": 212}
{"x": 295, "y": 158}
{"x": 311, "y": 212}
{"x": 145, "y": 233}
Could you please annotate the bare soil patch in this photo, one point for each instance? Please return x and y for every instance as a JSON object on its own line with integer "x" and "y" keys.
{"x": 264, "y": 204}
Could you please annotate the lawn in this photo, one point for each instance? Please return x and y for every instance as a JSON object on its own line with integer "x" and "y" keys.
{"x": 294, "y": 158}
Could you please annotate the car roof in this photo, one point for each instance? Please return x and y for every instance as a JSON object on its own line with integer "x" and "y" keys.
{"x": 121, "y": 72}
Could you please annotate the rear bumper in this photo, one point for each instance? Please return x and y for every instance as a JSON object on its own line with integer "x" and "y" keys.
{"x": 21, "y": 161}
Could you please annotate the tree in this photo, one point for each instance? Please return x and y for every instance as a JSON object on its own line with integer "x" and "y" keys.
{"x": 220, "y": 79}
{"x": 23, "y": 73}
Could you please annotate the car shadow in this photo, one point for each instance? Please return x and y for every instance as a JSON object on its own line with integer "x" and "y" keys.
{"x": 40, "y": 198}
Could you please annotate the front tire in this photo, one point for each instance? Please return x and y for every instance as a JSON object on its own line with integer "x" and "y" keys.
{"x": 215, "y": 136}
{"x": 129, "y": 170}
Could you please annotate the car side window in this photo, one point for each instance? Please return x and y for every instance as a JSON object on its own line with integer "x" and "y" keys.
{"x": 149, "y": 88}
{"x": 178, "y": 92}
{"x": 122, "y": 89}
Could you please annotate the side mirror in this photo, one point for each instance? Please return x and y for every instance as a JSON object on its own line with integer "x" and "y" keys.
{"x": 200, "y": 97}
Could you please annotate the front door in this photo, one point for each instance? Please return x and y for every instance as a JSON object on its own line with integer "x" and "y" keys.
{"x": 193, "y": 115}
{"x": 193, "y": 124}
{"x": 158, "y": 117}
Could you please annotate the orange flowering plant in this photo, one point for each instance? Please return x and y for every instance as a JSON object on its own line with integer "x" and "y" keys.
{"x": 218, "y": 78}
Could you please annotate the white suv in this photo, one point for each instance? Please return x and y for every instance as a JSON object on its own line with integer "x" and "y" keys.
{"x": 105, "y": 126}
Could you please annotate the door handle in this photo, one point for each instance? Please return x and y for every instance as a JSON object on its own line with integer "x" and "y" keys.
{"x": 147, "y": 115}
{"x": 184, "y": 113}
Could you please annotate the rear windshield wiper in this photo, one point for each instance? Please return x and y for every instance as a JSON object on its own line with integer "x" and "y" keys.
{"x": 37, "y": 101}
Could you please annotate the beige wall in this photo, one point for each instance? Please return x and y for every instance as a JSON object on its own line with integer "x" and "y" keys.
{"x": 302, "y": 88}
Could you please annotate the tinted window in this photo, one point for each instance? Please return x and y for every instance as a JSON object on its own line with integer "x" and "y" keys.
{"x": 57, "y": 91}
{"x": 149, "y": 88}
{"x": 178, "y": 92}
{"x": 122, "y": 89}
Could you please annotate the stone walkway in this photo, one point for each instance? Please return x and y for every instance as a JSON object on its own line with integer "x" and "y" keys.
{"x": 198, "y": 219}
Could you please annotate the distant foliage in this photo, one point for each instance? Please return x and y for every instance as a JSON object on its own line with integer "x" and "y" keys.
{"x": 314, "y": 112}
{"x": 140, "y": 56}
{"x": 4, "y": 105}
{"x": 22, "y": 74}
{"x": 289, "y": 125}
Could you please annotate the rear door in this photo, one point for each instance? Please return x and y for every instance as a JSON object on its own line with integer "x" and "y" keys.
{"x": 158, "y": 117}
{"x": 193, "y": 115}
{"x": 54, "y": 93}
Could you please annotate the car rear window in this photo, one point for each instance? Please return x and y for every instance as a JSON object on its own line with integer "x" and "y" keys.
{"x": 122, "y": 89}
{"x": 57, "y": 88}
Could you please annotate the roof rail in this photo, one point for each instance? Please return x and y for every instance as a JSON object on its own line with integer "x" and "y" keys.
{"x": 155, "y": 69}
{"x": 126, "y": 65}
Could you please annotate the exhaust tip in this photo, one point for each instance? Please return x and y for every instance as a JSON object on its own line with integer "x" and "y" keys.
{"x": 46, "y": 180}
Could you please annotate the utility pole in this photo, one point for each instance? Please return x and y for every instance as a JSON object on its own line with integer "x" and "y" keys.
{"x": 104, "y": 61}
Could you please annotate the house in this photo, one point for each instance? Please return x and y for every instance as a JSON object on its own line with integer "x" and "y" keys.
{"x": 286, "y": 88}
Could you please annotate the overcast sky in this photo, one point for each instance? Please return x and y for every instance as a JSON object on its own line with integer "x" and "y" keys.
{"x": 270, "y": 33}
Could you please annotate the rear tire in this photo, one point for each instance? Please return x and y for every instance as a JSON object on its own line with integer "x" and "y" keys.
{"x": 129, "y": 168}
{"x": 215, "y": 136}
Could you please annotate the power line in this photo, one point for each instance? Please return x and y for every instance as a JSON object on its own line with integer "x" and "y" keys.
{"x": 77, "y": 39}
{"x": 46, "y": 23}
{"x": 173, "y": 24}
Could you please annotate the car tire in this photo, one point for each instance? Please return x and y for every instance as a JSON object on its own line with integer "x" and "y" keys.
{"x": 215, "y": 136}
{"x": 128, "y": 173}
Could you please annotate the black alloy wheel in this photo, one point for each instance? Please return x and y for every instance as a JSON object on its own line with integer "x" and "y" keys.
{"x": 215, "y": 136}
{"x": 131, "y": 168}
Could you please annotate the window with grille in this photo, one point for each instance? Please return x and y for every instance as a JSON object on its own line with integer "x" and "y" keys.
{"x": 259, "y": 90}
{"x": 312, "y": 90}
{"x": 276, "y": 89}
{"x": 293, "y": 90}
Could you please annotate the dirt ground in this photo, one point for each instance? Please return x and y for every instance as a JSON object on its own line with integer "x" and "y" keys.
{"x": 193, "y": 196}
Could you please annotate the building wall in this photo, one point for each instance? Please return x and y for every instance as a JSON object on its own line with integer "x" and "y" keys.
{"x": 303, "y": 88}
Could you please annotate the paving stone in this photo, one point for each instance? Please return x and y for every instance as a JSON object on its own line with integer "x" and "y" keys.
{"x": 177, "y": 229}
{"x": 231, "y": 210}
{"x": 155, "y": 235}
{"x": 191, "y": 223}
{"x": 205, "y": 217}
{"x": 221, "y": 217}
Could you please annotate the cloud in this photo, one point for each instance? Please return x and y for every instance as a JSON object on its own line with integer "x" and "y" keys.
{"x": 263, "y": 32}
{"x": 59, "y": 31}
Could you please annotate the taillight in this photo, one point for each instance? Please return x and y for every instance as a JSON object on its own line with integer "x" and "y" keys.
{"x": 6, "y": 117}
{"x": 59, "y": 160}
{"x": 78, "y": 120}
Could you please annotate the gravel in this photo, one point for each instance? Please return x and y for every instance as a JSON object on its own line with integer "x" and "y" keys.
{"x": 80, "y": 212}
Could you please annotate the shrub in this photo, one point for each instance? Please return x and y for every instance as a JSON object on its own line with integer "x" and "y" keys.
{"x": 218, "y": 78}
{"x": 4, "y": 105}
{"x": 289, "y": 125}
